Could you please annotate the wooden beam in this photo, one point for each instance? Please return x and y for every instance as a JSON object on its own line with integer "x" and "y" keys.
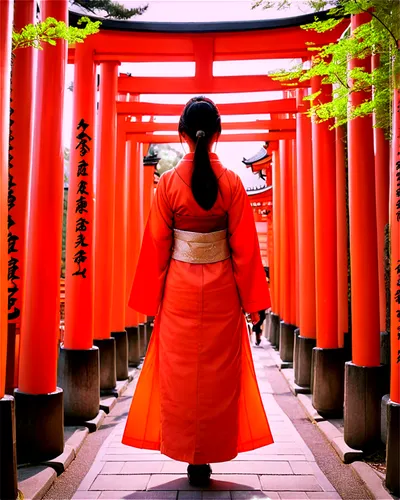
{"x": 278, "y": 124}
{"x": 198, "y": 85}
{"x": 254, "y": 137}
{"x": 243, "y": 108}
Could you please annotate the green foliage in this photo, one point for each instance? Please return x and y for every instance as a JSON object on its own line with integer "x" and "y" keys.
{"x": 316, "y": 5}
{"x": 50, "y": 30}
{"x": 331, "y": 62}
{"x": 113, "y": 9}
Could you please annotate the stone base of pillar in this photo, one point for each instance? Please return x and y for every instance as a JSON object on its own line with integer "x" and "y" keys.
{"x": 286, "y": 342}
{"x": 275, "y": 329}
{"x": 133, "y": 345}
{"x": 328, "y": 381}
{"x": 384, "y": 417}
{"x": 143, "y": 343}
{"x": 364, "y": 388}
{"x": 121, "y": 349}
{"x": 108, "y": 362}
{"x": 268, "y": 326}
{"x": 385, "y": 348}
{"x": 79, "y": 378}
{"x": 8, "y": 451}
{"x": 348, "y": 347}
{"x": 393, "y": 449}
{"x": 302, "y": 359}
{"x": 39, "y": 426}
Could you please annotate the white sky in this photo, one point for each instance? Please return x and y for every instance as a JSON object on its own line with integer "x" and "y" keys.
{"x": 231, "y": 154}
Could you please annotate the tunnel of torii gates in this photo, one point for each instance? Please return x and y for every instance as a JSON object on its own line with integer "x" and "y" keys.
{"x": 108, "y": 205}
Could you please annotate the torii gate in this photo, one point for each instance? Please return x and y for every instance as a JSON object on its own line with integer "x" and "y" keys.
{"x": 308, "y": 189}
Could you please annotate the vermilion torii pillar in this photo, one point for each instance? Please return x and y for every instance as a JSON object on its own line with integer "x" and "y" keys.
{"x": 328, "y": 358}
{"x": 393, "y": 409}
{"x": 8, "y": 466}
{"x": 382, "y": 168}
{"x": 78, "y": 368}
{"x": 287, "y": 272}
{"x": 118, "y": 308}
{"x": 104, "y": 220}
{"x": 135, "y": 214}
{"x": 364, "y": 377}
{"x": 41, "y": 437}
{"x": 306, "y": 340}
{"x": 22, "y": 91}
{"x": 276, "y": 214}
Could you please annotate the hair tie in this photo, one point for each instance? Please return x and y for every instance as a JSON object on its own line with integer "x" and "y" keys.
{"x": 200, "y": 133}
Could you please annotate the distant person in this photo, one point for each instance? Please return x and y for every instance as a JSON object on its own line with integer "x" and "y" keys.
{"x": 199, "y": 269}
{"x": 257, "y": 328}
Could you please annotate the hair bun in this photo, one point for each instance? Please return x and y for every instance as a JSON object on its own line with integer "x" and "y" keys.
{"x": 200, "y": 133}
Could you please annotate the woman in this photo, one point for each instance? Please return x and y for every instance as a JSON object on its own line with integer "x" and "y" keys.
{"x": 199, "y": 270}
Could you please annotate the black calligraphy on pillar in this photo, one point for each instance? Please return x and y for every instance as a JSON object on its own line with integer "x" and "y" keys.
{"x": 12, "y": 239}
{"x": 397, "y": 269}
{"x": 81, "y": 203}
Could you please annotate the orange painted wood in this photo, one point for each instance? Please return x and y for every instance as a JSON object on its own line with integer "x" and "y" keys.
{"x": 243, "y": 108}
{"x": 105, "y": 199}
{"x": 324, "y": 170}
{"x": 119, "y": 299}
{"x": 255, "y": 137}
{"x": 382, "y": 169}
{"x": 273, "y": 125}
{"x": 134, "y": 213}
{"x": 342, "y": 236}
{"x": 395, "y": 253}
{"x": 276, "y": 224}
{"x": 295, "y": 255}
{"x": 40, "y": 323}
{"x": 20, "y": 165}
{"x": 305, "y": 193}
{"x": 79, "y": 276}
{"x": 363, "y": 239}
{"x": 200, "y": 85}
{"x": 6, "y": 13}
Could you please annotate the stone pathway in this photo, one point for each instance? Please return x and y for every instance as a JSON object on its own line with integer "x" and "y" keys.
{"x": 284, "y": 470}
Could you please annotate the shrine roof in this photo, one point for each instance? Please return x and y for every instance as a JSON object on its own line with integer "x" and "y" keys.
{"x": 199, "y": 27}
{"x": 257, "y": 157}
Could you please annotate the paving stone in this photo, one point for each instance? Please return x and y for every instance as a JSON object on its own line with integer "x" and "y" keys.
{"x": 142, "y": 468}
{"x": 246, "y": 457}
{"x": 293, "y": 495}
{"x": 86, "y": 495}
{"x": 112, "y": 482}
{"x": 112, "y": 467}
{"x": 91, "y": 476}
{"x": 290, "y": 483}
{"x": 190, "y": 495}
{"x": 75, "y": 437}
{"x": 107, "y": 403}
{"x": 254, "y": 495}
{"x": 259, "y": 467}
{"x": 324, "y": 495}
{"x": 219, "y": 482}
{"x": 35, "y": 481}
{"x": 63, "y": 461}
{"x": 138, "y": 495}
{"x": 111, "y": 457}
{"x": 214, "y": 495}
{"x": 303, "y": 468}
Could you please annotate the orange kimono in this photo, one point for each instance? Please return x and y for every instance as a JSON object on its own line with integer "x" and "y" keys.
{"x": 197, "y": 398}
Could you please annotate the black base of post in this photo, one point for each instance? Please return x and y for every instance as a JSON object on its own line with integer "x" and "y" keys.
{"x": 275, "y": 330}
{"x": 302, "y": 360}
{"x": 393, "y": 449}
{"x": 108, "y": 369}
{"x": 348, "y": 347}
{"x": 268, "y": 325}
{"x": 328, "y": 381}
{"x": 39, "y": 426}
{"x": 286, "y": 342}
{"x": 385, "y": 348}
{"x": 121, "y": 347}
{"x": 133, "y": 345}
{"x": 143, "y": 343}
{"x": 364, "y": 388}
{"x": 79, "y": 377}
{"x": 384, "y": 417}
{"x": 8, "y": 450}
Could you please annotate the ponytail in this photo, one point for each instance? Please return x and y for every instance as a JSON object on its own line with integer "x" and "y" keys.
{"x": 204, "y": 181}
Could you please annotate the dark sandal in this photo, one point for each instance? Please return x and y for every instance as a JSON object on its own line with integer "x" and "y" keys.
{"x": 199, "y": 475}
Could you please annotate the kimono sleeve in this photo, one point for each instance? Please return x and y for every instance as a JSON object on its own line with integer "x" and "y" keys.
{"x": 155, "y": 254}
{"x": 246, "y": 258}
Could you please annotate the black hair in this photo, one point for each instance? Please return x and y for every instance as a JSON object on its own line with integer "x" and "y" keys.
{"x": 200, "y": 121}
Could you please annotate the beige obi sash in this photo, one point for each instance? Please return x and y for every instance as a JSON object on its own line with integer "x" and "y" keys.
{"x": 200, "y": 248}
